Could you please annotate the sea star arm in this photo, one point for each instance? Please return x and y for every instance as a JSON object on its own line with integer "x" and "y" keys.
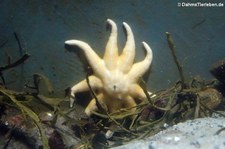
{"x": 96, "y": 63}
{"x": 91, "y": 107}
{"x": 138, "y": 69}
{"x": 82, "y": 86}
{"x": 127, "y": 57}
{"x": 111, "y": 50}
{"x": 137, "y": 93}
{"x": 92, "y": 104}
{"x": 130, "y": 103}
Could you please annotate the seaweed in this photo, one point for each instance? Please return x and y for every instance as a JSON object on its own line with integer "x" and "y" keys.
{"x": 27, "y": 112}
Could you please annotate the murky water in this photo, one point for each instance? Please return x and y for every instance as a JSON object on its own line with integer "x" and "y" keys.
{"x": 44, "y": 26}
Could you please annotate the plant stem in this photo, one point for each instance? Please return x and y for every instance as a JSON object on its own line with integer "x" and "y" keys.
{"x": 173, "y": 49}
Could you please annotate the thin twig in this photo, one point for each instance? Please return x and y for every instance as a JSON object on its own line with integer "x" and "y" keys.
{"x": 167, "y": 108}
{"x": 3, "y": 79}
{"x": 16, "y": 63}
{"x": 173, "y": 49}
{"x": 19, "y": 43}
{"x": 99, "y": 106}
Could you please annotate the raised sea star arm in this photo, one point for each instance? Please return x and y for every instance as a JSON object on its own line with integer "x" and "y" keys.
{"x": 138, "y": 69}
{"x": 82, "y": 86}
{"x": 96, "y": 63}
{"x": 111, "y": 50}
{"x": 126, "y": 59}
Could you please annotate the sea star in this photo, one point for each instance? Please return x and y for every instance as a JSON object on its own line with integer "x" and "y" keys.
{"x": 115, "y": 77}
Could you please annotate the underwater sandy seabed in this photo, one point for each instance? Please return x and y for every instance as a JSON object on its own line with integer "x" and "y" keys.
{"x": 36, "y": 69}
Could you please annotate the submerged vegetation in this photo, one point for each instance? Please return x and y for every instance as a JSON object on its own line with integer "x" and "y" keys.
{"x": 23, "y": 113}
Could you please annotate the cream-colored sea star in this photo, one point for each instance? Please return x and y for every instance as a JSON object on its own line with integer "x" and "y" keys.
{"x": 115, "y": 77}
